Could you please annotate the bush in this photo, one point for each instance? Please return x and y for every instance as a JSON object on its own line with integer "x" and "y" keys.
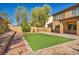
{"x": 26, "y": 29}
{"x": 1, "y": 30}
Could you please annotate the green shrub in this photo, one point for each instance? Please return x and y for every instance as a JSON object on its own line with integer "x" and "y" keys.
{"x": 1, "y": 30}
{"x": 26, "y": 29}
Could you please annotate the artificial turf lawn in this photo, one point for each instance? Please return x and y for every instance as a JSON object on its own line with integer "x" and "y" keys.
{"x": 38, "y": 41}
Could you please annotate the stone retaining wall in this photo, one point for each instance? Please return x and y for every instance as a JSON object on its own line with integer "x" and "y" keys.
{"x": 5, "y": 39}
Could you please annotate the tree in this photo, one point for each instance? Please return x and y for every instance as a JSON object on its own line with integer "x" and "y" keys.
{"x": 21, "y": 13}
{"x": 24, "y": 25}
{"x": 40, "y": 15}
{"x": 45, "y": 13}
{"x": 21, "y": 18}
{"x": 5, "y": 16}
{"x": 1, "y": 30}
{"x": 6, "y": 21}
{"x": 35, "y": 16}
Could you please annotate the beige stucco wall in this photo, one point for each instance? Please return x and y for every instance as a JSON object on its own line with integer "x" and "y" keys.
{"x": 61, "y": 28}
{"x": 50, "y": 20}
{"x": 77, "y": 27}
{"x": 40, "y": 29}
{"x": 33, "y": 29}
{"x": 55, "y": 23}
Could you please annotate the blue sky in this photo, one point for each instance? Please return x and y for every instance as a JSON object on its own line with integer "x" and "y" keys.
{"x": 10, "y": 8}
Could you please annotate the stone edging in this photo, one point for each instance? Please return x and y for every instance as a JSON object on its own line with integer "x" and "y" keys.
{"x": 27, "y": 46}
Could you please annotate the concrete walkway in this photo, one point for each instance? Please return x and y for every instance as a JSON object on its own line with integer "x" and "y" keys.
{"x": 63, "y": 35}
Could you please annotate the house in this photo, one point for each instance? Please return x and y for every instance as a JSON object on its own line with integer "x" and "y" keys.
{"x": 66, "y": 21}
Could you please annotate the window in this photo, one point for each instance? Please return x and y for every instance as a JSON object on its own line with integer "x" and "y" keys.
{"x": 77, "y": 11}
{"x": 71, "y": 26}
{"x": 57, "y": 26}
{"x": 59, "y": 16}
{"x": 74, "y": 12}
{"x": 62, "y": 15}
{"x": 54, "y": 17}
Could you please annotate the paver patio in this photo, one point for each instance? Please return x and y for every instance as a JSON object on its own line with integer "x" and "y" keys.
{"x": 63, "y": 35}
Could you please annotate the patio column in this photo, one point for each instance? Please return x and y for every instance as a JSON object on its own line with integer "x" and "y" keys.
{"x": 61, "y": 27}
{"x": 77, "y": 27}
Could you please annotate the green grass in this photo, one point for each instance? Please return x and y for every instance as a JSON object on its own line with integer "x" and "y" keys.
{"x": 38, "y": 41}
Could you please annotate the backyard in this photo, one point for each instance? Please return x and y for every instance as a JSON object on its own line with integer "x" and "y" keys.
{"x": 38, "y": 40}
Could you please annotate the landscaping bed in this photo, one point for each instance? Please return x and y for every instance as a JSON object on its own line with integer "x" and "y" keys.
{"x": 38, "y": 41}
